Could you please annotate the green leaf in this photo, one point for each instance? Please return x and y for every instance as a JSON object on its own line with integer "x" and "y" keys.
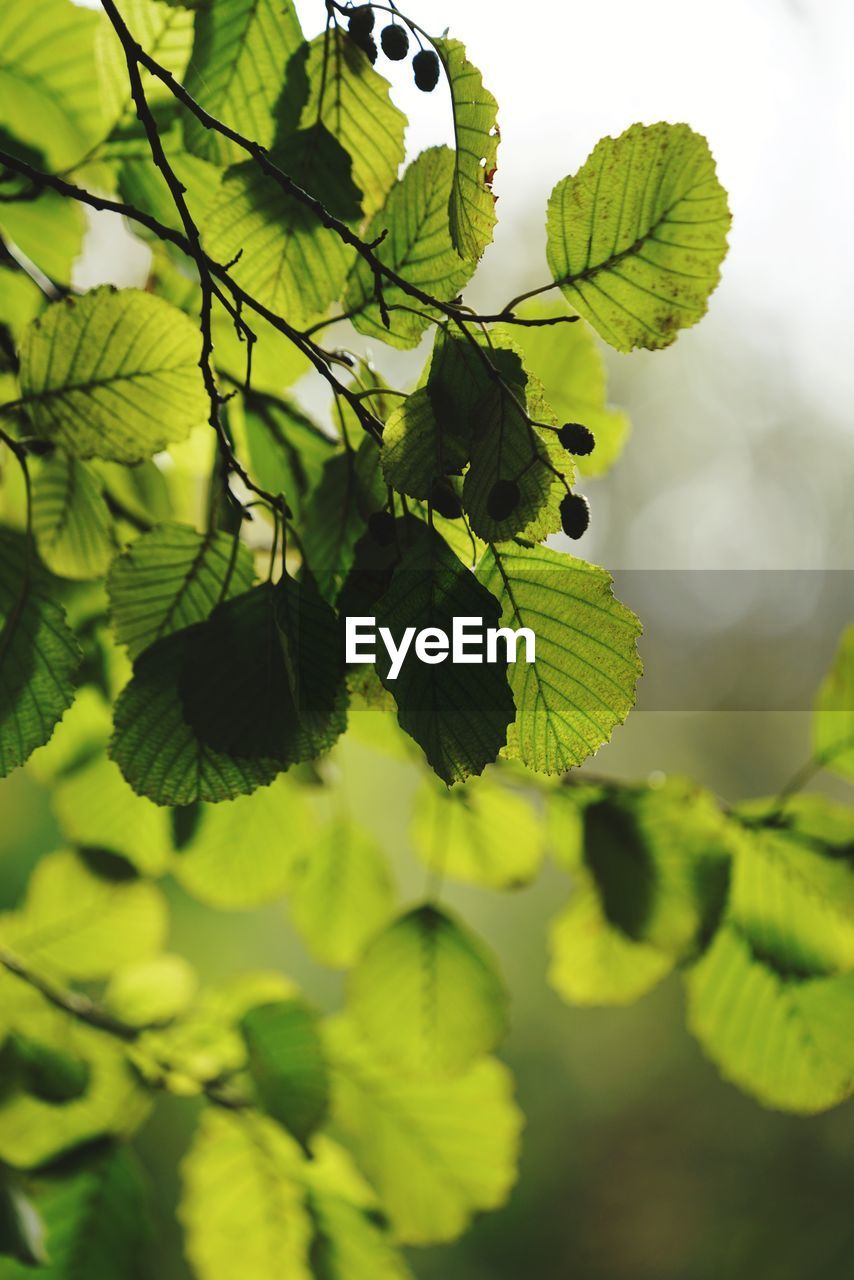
{"x": 660, "y": 858}
{"x": 458, "y": 716}
{"x": 341, "y": 893}
{"x": 636, "y": 238}
{"x": 166, "y": 34}
{"x": 71, "y": 521}
{"x": 481, "y": 833}
{"x": 93, "y": 1210}
{"x": 417, "y": 246}
{"x": 238, "y": 70}
{"x": 833, "y": 721}
{"x": 21, "y": 1228}
{"x": 351, "y": 1241}
{"x": 146, "y": 992}
{"x": 156, "y": 747}
{"x": 352, "y": 101}
{"x": 244, "y": 853}
{"x": 437, "y": 1151}
{"x": 806, "y": 816}
{"x": 472, "y": 204}
{"x": 38, "y": 656}
{"x": 170, "y": 578}
{"x": 95, "y": 807}
{"x": 34, "y": 1130}
{"x": 286, "y": 448}
{"x": 288, "y": 260}
{"x": 81, "y": 924}
{"x": 141, "y": 184}
{"x": 568, "y": 362}
{"x": 48, "y": 230}
{"x": 82, "y": 733}
{"x": 42, "y": 1070}
{"x": 794, "y": 905}
{"x": 288, "y": 1065}
{"x": 505, "y": 446}
{"x": 49, "y": 92}
{"x": 336, "y": 512}
{"x": 592, "y": 961}
{"x": 427, "y": 995}
{"x": 21, "y": 300}
{"x": 582, "y": 684}
{"x": 113, "y": 375}
{"x": 276, "y": 650}
{"x": 243, "y": 1207}
{"x": 786, "y": 1042}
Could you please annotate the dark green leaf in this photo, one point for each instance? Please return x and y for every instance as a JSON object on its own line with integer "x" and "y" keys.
{"x": 288, "y": 1065}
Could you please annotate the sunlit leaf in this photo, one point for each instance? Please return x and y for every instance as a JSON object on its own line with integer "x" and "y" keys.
{"x": 787, "y": 1042}
{"x": 472, "y": 204}
{"x": 237, "y": 71}
{"x": 341, "y": 893}
{"x": 170, "y": 578}
{"x": 255, "y": 1224}
{"x": 437, "y": 1151}
{"x": 82, "y": 924}
{"x": 427, "y": 995}
{"x": 482, "y": 833}
{"x": 287, "y": 1063}
{"x": 94, "y": 806}
{"x": 49, "y": 231}
{"x": 244, "y": 853}
{"x": 636, "y": 238}
{"x": 38, "y": 655}
{"x": 150, "y": 991}
{"x": 417, "y": 245}
{"x": 113, "y": 375}
{"x": 71, "y": 521}
{"x": 582, "y": 684}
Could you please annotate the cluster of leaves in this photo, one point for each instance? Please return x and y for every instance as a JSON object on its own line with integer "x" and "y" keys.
{"x": 180, "y": 541}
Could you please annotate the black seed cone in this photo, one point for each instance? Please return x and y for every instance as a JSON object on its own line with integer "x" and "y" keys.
{"x": 574, "y": 515}
{"x": 381, "y": 527}
{"x": 425, "y": 64}
{"x": 502, "y": 500}
{"x": 577, "y": 439}
{"x": 444, "y": 500}
{"x": 361, "y": 21}
{"x": 395, "y": 42}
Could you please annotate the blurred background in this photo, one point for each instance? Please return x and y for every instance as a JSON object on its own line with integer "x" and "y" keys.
{"x": 638, "y": 1161}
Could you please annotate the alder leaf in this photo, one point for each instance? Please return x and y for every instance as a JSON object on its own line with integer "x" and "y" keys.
{"x": 166, "y": 34}
{"x": 96, "y": 808}
{"x": 49, "y": 92}
{"x": 794, "y": 904}
{"x": 582, "y": 684}
{"x": 93, "y": 1207}
{"x": 482, "y": 833}
{"x": 156, "y": 747}
{"x": 427, "y": 995}
{"x": 636, "y": 238}
{"x": 113, "y": 375}
{"x": 237, "y": 72}
{"x": 457, "y": 715}
{"x": 245, "y": 853}
{"x": 171, "y": 577}
{"x": 38, "y": 655}
{"x": 253, "y": 1225}
{"x": 787, "y": 1042}
{"x": 285, "y": 256}
{"x": 275, "y": 651}
{"x": 82, "y": 924}
{"x": 591, "y": 960}
{"x": 288, "y": 1065}
{"x": 417, "y": 246}
{"x": 567, "y": 360}
{"x": 341, "y": 893}
{"x": 352, "y": 101}
{"x": 833, "y": 719}
{"x": 155, "y": 990}
{"x": 48, "y": 230}
{"x": 437, "y": 1151}
{"x": 71, "y": 521}
{"x": 472, "y": 204}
